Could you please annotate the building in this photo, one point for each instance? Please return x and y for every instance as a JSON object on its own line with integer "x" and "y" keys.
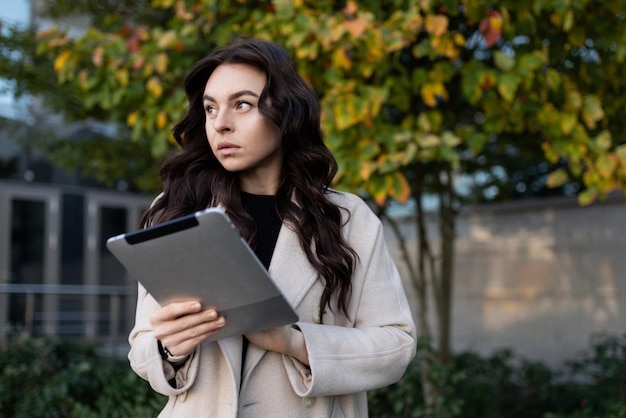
{"x": 539, "y": 277}
{"x": 56, "y": 276}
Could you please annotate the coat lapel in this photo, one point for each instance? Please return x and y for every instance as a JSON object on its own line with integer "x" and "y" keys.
{"x": 290, "y": 269}
{"x": 293, "y": 275}
{"x": 231, "y": 348}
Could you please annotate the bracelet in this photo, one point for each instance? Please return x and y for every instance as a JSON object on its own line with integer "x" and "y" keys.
{"x": 166, "y": 355}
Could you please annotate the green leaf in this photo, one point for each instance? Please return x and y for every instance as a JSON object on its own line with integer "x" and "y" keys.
{"x": 504, "y": 61}
{"x": 477, "y": 141}
{"x": 450, "y": 139}
{"x": 568, "y": 123}
{"x": 528, "y": 63}
{"x": 553, "y": 78}
{"x": 470, "y": 86}
{"x": 592, "y": 110}
{"x": 604, "y": 140}
{"x": 507, "y": 86}
{"x": 428, "y": 141}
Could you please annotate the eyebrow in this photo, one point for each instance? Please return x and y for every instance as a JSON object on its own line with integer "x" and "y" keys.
{"x": 233, "y": 96}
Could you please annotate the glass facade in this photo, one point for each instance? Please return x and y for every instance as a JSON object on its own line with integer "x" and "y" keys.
{"x": 57, "y": 275}
{"x": 26, "y": 261}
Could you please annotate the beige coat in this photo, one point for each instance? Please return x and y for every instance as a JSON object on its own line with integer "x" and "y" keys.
{"x": 347, "y": 357}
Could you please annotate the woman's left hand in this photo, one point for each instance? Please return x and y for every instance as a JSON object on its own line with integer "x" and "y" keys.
{"x": 287, "y": 340}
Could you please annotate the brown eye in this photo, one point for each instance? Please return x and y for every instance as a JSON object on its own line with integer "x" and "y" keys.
{"x": 243, "y": 106}
{"x": 210, "y": 110}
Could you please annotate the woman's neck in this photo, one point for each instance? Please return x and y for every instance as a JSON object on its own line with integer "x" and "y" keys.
{"x": 261, "y": 189}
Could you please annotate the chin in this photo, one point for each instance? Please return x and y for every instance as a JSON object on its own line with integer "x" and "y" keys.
{"x": 233, "y": 168}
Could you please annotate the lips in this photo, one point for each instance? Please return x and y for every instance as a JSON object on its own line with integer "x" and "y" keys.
{"x": 227, "y": 148}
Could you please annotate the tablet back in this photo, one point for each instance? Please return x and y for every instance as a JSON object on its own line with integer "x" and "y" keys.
{"x": 202, "y": 257}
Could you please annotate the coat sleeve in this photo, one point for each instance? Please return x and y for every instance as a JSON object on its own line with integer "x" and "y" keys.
{"x": 145, "y": 358}
{"x": 144, "y": 355}
{"x": 377, "y": 349}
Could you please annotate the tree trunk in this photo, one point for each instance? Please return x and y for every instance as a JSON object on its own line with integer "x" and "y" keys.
{"x": 447, "y": 230}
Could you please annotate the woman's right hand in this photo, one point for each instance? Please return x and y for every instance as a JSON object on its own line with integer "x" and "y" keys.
{"x": 182, "y": 326}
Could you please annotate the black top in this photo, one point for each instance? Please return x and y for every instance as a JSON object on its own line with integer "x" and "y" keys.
{"x": 263, "y": 211}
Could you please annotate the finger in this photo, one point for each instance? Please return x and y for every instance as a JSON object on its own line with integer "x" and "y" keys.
{"x": 171, "y": 327}
{"x": 175, "y": 310}
{"x": 186, "y": 341}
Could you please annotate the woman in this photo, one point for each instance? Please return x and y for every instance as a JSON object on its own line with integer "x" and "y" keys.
{"x": 252, "y": 145}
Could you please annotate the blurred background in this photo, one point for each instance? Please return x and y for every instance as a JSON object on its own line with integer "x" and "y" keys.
{"x": 488, "y": 136}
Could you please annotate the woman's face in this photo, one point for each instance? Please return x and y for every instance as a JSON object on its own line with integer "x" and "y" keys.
{"x": 242, "y": 139}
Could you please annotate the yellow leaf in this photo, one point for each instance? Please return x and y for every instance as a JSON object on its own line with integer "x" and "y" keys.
{"x": 161, "y": 121}
{"x": 61, "y": 60}
{"x": 568, "y": 22}
{"x": 432, "y": 92}
{"x": 132, "y": 118}
{"x": 347, "y": 111}
{"x": 167, "y": 40}
{"x": 122, "y": 76}
{"x": 341, "y": 60}
{"x": 436, "y": 25}
{"x": 495, "y": 22}
{"x": 568, "y": 123}
{"x": 606, "y": 165}
{"x": 587, "y": 196}
{"x": 401, "y": 190}
{"x": 366, "y": 170}
{"x": 557, "y": 178}
{"x": 549, "y": 152}
{"x": 153, "y": 85}
{"x": 161, "y": 63}
{"x": 445, "y": 46}
{"x": 459, "y": 40}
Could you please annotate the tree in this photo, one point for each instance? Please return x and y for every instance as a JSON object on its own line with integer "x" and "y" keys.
{"x": 415, "y": 95}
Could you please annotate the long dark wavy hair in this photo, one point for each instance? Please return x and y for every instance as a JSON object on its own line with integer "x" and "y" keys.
{"x": 194, "y": 179}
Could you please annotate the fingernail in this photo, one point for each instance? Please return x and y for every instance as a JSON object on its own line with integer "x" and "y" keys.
{"x": 195, "y": 306}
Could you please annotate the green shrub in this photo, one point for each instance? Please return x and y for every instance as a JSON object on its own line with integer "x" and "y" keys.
{"x": 47, "y": 377}
{"x": 505, "y": 386}
{"x": 404, "y": 398}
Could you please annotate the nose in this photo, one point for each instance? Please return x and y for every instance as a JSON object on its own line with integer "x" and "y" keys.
{"x": 223, "y": 121}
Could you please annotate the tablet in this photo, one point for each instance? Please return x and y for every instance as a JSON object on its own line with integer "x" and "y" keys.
{"x": 202, "y": 256}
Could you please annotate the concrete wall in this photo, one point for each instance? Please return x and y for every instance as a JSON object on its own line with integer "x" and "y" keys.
{"x": 538, "y": 277}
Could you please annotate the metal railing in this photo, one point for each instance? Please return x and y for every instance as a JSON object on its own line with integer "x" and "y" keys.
{"x": 57, "y": 321}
